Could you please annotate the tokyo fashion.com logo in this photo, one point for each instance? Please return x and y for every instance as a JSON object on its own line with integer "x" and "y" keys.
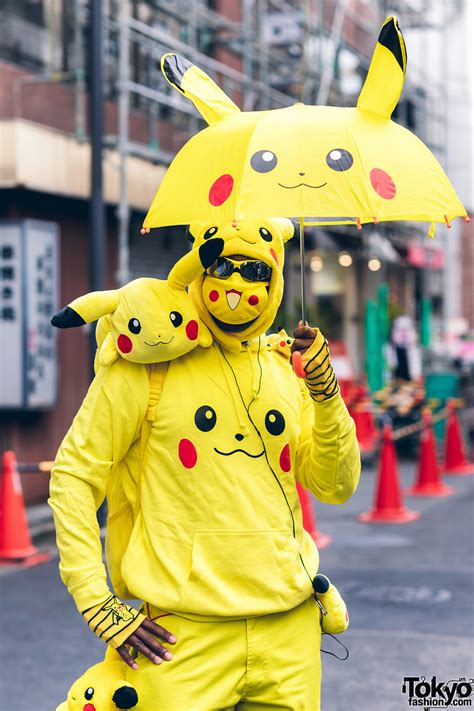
{"x": 438, "y": 694}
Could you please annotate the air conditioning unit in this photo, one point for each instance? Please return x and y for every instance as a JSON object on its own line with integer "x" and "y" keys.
{"x": 280, "y": 29}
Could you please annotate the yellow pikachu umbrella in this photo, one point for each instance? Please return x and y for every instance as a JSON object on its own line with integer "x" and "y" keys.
{"x": 320, "y": 164}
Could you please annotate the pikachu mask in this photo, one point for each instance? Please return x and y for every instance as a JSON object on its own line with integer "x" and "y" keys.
{"x": 237, "y": 299}
{"x": 147, "y": 320}
{"x": 325, "y": 164}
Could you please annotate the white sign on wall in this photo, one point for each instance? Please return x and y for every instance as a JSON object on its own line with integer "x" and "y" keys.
{"x": 28, "y": 299}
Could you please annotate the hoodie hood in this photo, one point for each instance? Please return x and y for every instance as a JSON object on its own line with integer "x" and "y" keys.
{"x": 236, "y": 311}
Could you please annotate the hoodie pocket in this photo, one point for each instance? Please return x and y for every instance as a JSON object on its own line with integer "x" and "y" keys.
{"x": 244, "y": 574}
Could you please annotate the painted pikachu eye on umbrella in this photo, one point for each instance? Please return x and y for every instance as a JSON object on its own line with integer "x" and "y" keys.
{"x": 319, "y": 164}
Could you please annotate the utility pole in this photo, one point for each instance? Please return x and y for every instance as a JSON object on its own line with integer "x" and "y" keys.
{"x": 97, "y": 216}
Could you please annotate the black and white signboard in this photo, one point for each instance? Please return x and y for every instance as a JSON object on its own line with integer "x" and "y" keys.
{"x": 28, "y": 299}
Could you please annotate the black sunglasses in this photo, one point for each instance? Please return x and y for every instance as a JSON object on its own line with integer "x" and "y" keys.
{"x": 251, "y": 270}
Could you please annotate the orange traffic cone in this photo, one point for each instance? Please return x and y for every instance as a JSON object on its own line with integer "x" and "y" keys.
{"x": 15, "y": 540}
{"x": 366, "y": 430}
{"x": 455, "y": 461}
{"x": 428, "y": 481}
{"x": 388, "y": 504}
{"x": 309, "y": 521}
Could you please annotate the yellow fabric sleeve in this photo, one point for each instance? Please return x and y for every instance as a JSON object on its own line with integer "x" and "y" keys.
{"x": 107, "y": 423}
{"x": 328, "y": 457}
{"x": 113, "y": 621}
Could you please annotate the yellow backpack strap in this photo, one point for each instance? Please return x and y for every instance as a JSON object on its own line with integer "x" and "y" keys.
{"x": 157, "y": 375}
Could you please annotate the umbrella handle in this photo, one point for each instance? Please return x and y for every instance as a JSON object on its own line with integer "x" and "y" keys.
{"x": 297, "y": 363}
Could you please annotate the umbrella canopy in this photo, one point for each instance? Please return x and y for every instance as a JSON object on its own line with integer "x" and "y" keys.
{"x": 320, "y": 164}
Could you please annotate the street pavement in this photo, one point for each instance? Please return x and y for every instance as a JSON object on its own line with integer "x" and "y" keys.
{"x": 409, "y": 588}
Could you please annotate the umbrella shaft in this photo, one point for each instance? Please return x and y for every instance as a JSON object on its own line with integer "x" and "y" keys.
{"x": 303, "y": 288}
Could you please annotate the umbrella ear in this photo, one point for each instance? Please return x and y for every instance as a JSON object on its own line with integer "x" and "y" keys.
{"x": 384, "y": 82}
{"x": 212, "y": 103}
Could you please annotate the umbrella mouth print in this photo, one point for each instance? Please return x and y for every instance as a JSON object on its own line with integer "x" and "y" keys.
{"x": 302, "y": 185}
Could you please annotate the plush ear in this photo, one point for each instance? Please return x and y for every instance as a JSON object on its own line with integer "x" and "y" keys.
{"x": 384, "y": 82}
{"x": 205, "y": 337}
{"x": 194, "y": 263}
{"x": 108, "y": 352}
{"x": 86, "y": 309}
{"x": 212, "y": 103}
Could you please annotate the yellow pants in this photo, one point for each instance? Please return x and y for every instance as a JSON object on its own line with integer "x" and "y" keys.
{"x": 270, "y": 662}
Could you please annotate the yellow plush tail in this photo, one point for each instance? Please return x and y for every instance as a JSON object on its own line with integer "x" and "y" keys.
{"x": 335, "y": 618}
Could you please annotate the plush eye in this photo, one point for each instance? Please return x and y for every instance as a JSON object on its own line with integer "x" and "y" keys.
{"x": 274, "y": 422}
{"x": 134, "y": 325}
{"x": 176, "y": 318}
{"x": 263, "y": 161}
{"x": 210, "y": 232}
{"x": 205, "y": 418}
{"x": 339, "y": 159}
{"x": 89, "y": 693}
{"x": 265, "y": 234}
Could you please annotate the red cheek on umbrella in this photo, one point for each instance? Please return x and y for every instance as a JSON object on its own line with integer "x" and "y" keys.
{"x": 285, "y": 459}
{"x": 124, "y": 343}
{"x": 89, "y": 707}
{"x": 272, "y": 252}
{"x": 221, "y": 189}
{"x": 192, "y": 330}
{"x": 253, "y": 300}
{"x": 213, "y": 295}
{"x": 383, "y": 184}
{"x": 187, "y": 453}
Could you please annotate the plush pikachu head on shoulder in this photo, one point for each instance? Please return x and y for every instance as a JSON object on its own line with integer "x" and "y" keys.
{"x": 147, "y": 320}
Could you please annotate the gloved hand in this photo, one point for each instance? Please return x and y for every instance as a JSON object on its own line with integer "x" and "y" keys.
{"x": 113, "y": 621}
{"x": 316, "y": 361}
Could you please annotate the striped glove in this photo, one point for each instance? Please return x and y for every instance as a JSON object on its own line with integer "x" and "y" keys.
{"x": 113, "y": 621}
{"x": 320, "y": 378}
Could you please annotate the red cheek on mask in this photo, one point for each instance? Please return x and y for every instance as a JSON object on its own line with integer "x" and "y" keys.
{"x": 187, "y": 453}
{"x": 192, "y": 330}
{"x": 253, "y": 300}
{"x": 285, "y": 459}
{"x": 213, "y": 295}
{"x": 89, "y": 707}
{"x": 273, "y": 253}
{"x": 124, "y": 343}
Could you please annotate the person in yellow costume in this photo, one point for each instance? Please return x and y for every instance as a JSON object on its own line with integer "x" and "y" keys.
{"x": 208, "y": 528}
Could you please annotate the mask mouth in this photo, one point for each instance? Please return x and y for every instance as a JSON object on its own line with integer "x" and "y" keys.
{"x": 159, "y": 343}
{"x": 232, "y": 327}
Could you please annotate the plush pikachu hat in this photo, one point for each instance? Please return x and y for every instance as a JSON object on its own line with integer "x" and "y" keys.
{"x": 236, "y": 311}
{"x": 147, "y": 320}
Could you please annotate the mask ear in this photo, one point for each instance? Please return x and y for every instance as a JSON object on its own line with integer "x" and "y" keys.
{"x": 86, "y": 309}
{"x": 287, "y": 228}
{"x": 384, "y": 82}
{"x": 212, "y": 103}
{"x": 194, "y": 263}
{"x": 108, "y": 352}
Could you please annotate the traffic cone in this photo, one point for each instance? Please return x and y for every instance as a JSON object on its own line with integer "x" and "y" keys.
{"x": 309, "y": 520}
{"x": 15, "y": 540}
{"x": 366, "y": 430}
{"x": 428, "y": 480}
{"x": 388, "y": 503}
{"x": 455, "y": 461}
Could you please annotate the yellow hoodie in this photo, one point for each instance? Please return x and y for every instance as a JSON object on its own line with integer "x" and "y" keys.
{"x": 217, "y": 531}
